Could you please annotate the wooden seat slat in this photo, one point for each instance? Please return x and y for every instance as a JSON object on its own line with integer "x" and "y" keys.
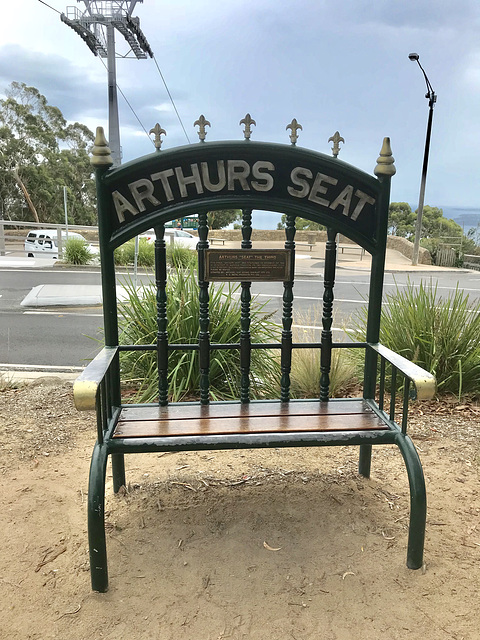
{"x": 248, "y": 424}
{"x": 183, "y": 411}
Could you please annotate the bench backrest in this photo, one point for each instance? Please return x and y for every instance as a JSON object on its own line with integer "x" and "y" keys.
{"x": 196, "y": 179}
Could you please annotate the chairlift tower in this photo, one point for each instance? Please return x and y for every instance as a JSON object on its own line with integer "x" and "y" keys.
{"x": 96, "y": 26}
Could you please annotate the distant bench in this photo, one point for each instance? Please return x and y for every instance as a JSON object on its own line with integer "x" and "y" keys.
{"x": 310, "y": 245}
{"x": 351, "y": 247}
{"x": 222, "y": 240}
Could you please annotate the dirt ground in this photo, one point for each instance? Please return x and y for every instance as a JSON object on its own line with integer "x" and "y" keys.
{"x": 270, "y": 544}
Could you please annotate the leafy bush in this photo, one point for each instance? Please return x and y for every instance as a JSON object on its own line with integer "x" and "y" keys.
{"x": 125, "y": 254}
{"x": 76, "y": 251}
{"x": 441, "y": 335}
{"x": 138, "y": 324}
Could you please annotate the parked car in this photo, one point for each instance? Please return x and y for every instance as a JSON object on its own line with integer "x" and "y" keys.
{"x": 177, "y": 236}
{"x": 43, "y": 243}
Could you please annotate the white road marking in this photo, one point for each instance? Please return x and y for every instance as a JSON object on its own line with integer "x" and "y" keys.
{"x": 62, "y": 313}
{"x": 38, "y": 367}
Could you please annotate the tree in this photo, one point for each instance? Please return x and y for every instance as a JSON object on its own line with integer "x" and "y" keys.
{"x": 40, "y": 153}
{"x": 401, "y": 220}
{"x": 223, "y": 217}
{"x": 301, "y": 223}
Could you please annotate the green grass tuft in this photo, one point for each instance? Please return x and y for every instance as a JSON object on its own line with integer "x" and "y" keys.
{"x": 76, "y": 252}
{"x": 138, "y": 322}
{"x": 441, "y": 335}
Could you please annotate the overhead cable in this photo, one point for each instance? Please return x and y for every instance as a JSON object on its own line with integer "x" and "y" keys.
{"x": 171, "y": 99}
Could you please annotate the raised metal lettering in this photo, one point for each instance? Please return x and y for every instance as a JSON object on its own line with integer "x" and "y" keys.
{"x": 142, "y": 190}
{"x": 264, "y": 181}
{"x": 296, "y": 177}
{"x": 193, "y": 179}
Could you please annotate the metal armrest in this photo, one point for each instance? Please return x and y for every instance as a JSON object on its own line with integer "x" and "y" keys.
{"x": 86, "y": 385}
{"x": 424, "y": 382}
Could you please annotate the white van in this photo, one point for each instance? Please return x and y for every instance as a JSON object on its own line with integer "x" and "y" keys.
{"x": 43, "y": 243}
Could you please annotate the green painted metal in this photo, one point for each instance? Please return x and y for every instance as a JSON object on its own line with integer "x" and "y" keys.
{"x": 96, "y": 519}
{"x": 287, "y": 316}
{"x": 365, "y": 460}
{"x": 327, "y": 315}
{"x": 418, "y": 502}
{"x": 154, "y": 190}
{"x": 204, "y": 299}
{"x": 162, "y": 321}
{"x": 376, "y": 286}
{"x": 245, "y": 300}
{"x": 242, "y": 175}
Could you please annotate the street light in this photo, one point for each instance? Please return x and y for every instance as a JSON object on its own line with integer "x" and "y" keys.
{"x": 432, "y": 98}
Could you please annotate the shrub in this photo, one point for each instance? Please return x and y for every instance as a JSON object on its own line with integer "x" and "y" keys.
{"x": 181, "y": 257}
{"x": 125, "y": 254}
{"x": 441, "y": 335}
{"x": 76, "y": 251}
{"x": 138, "y": 323}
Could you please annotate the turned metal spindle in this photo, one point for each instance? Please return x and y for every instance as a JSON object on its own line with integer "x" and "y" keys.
{"x": 287, "y": 317}
{"x": 327, "y": 316}
{"x": 245, "y": 300}
{"x": 204, "y": 299}
{"x": 162, "y": 322}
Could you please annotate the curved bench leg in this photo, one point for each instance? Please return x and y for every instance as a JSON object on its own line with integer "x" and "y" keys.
{"x": 365, "y": 460}
{"x": 418, "y": 502}
{"x": 96, "y": 519}
{"x": 118, "y": 471}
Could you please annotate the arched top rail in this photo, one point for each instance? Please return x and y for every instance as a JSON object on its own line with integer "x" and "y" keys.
{"x": 243, "y": 175}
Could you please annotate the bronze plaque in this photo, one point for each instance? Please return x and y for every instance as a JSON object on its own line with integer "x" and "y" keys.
{"x": 248, "y": 265}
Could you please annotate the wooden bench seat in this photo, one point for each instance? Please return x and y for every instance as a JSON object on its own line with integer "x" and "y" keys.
{"x": 264, "y": 417}
{"x": 209, "y": 177}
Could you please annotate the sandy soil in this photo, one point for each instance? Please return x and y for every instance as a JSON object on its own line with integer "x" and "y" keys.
{"x": 280, "y": 544}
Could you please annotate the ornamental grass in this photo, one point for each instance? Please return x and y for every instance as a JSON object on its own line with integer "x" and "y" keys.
{"x": 77, "y": 252}
{"x": 440, "y": 334}
{"x": 138, "y": 324}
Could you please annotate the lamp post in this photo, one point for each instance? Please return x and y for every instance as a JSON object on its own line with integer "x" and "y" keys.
{"x": 432, "y": 98}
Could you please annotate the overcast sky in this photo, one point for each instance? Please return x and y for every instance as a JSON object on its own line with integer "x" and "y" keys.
{"x": 331, "y": 64}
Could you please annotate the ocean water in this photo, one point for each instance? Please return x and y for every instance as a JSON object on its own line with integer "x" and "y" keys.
{"x": 466, "y": 217}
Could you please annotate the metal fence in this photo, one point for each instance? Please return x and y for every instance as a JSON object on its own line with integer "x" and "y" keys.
{"x": 62, "y": 229}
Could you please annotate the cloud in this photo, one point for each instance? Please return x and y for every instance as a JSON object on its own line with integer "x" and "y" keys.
{"x": 73, "y": 89}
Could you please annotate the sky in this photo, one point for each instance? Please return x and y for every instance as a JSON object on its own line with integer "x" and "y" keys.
{"x": 331, "y": 64}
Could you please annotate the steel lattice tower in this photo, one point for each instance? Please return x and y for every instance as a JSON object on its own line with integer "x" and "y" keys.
{"x": 96, "y": 26}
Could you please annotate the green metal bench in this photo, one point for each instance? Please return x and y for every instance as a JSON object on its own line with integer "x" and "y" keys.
{"x": 245, "y": 175}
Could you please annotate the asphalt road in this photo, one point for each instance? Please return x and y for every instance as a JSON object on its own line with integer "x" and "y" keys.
{"x": 68, "y": 337}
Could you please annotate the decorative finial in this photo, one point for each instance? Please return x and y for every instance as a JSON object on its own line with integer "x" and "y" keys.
{"x": 247, "y": 121}
{"x": 385, "y": 161}
{"x": 157, "y": 131}
{"x": 336, "y": 139}
{"x": 202, "y": 123}
{"x": 101, "y": 154}
{"x": 294, "y": 126}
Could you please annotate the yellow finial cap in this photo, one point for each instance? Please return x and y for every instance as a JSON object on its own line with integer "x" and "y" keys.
{"x": 101, "y": 154}
{"x": 385, "y": 161}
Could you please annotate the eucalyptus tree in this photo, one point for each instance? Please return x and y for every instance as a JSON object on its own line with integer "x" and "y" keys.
{"x": 40, "y": 153}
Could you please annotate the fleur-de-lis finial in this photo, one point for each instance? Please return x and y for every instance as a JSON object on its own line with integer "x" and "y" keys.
{"x": 336, "y": 139}
{"x": 157, "y": 131}
{"x": 202, "y": 123}
{"x": 294, "y": 126}
{"x": 247, "y": 121}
